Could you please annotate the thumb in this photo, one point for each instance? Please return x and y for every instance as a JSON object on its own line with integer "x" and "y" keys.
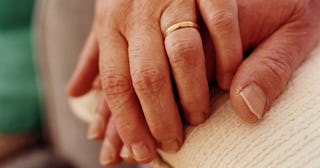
{"x": 263, "y": 76}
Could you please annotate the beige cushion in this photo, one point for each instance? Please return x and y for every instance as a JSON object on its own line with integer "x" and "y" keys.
{"x": 288, "y": 136}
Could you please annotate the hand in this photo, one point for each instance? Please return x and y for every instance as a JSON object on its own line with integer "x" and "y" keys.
{"x": 128, "y": 43}
{"x": 253, "y": 38}
{"x": 277, "y": 36}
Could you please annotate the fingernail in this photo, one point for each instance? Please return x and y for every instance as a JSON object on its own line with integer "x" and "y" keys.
{"x": 125, "y": 152}
{"x": 255, "y": 99}
{"x": 197, "y": 118}
{"x": 140, "y": 151}
{"x": 107, "y": 155}
{"x": 226, "y": 81}
{"x": 95, "y": 128}
{"x": 170, "y": 146}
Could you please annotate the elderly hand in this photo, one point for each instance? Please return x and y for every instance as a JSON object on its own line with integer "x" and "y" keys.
{"x": 137, "y": 63}
{"x": 276, "y": 43}
{"x": 277, "y": 36}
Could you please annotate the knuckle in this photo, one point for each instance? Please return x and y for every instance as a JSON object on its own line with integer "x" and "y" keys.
{"x": 182, "y": 52}
{"x": 135, "y": 22}
{"x": 222, "y": 21}
{"x": 148, "y": 80}
{"x": 115, "y": 84}
{"x": 279, "y": 65}
{"x": 136, "y": 48}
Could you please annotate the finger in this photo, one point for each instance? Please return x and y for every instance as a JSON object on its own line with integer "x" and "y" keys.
{"x": 186, "y": 56}
{"x": 86, "y": 70}
{"x": 221, "y": 18}
{"x": 116, "y": 83}
{"x": 151, "y": 80}
{"x": 264, "y": 75}
{"x": 98, "y": 125}
{"x": 112, "y": 144}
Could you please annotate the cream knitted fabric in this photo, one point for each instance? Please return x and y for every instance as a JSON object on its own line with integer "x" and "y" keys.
{"x": 288, "y": 136}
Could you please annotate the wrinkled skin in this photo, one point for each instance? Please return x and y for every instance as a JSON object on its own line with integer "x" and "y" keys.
{"x": 138, "y": 112}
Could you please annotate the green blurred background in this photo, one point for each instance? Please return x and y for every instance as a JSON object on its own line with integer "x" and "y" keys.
{"x": 19, "y": 89}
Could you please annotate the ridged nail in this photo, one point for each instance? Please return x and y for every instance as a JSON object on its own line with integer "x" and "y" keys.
{"x": 140, "y": 151}
{"x": 107, "y": 155}
{"x": 170, "y": 145}
{"x": 226, "y": 80}
{"x": 125, "y": 152}
{"x": 95, "y": 128}
{"x": 255, "y": 99}
{"x": 198, "y": 118}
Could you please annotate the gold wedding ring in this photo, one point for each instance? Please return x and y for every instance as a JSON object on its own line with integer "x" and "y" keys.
{"x": 180, "y": 25}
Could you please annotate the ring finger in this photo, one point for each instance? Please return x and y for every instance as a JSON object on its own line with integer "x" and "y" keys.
{"x": 186, "y": 56}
